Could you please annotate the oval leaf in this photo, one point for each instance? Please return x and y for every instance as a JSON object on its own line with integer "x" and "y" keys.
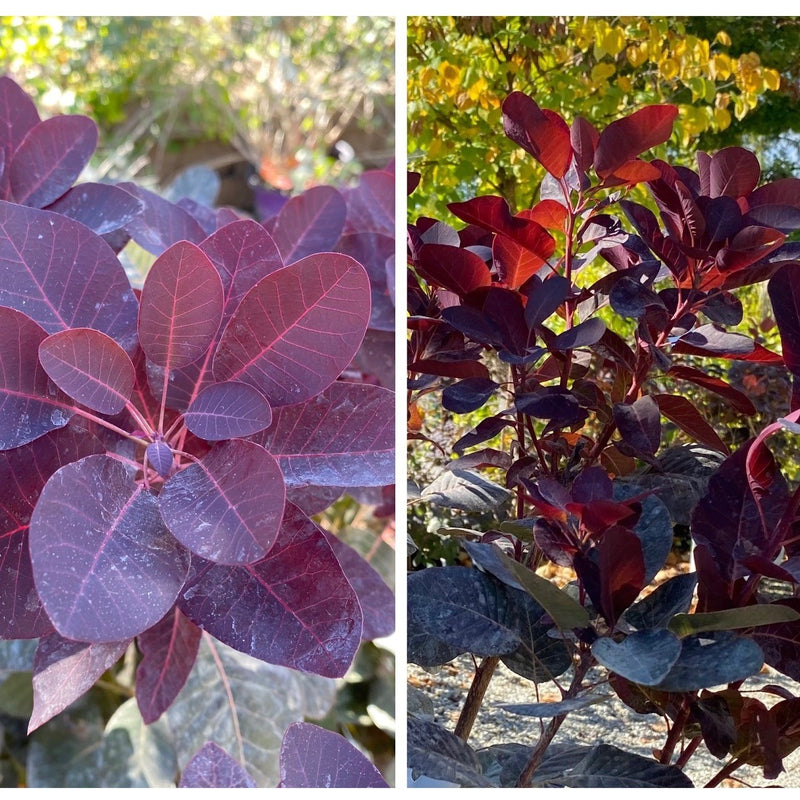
{"x": 644, "y": 657}
{"x": 228, "y": 507}
{"x": 160, "y": 456}
{"x": 732, "y": 618}
{"x": 228, "y": 410}
{"x": 99, "y": 206}
{"x": 454, "y": 268}
{"x": 212, "y": 768}
{"x": 181, "y": 306}
{"x": 105, "y": 566}
{"x": 295, "y": 607}
{"x": 90, "y": 367}
{"x": 315, "y": 758}
{"x": 584, "y": 334}
{"x": 297, "y": 329}
{"x": 50, "y": 158}
{"x": 639, "y": 424}
{"x": 467, "y": 395}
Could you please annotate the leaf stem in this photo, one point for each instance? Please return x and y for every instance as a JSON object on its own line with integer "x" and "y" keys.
{"x": 106, "y": 424}
{"x": 725, "y": 772}
{"x": 477, "y": 691}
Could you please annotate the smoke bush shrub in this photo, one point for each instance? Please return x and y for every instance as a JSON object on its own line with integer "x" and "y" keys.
{"x": 502, "y": 310}
{"x": 162, "y": 451}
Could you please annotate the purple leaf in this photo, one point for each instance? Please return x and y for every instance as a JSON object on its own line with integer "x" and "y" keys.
{"x": 212, "y": 768}
{"x": 544, "y": 298}
{"x": 784, "y": 293}
{"x": 227, "y": 507}
{"x": 313, "y": 499}
{"x": 50, "y": 158}
{"x": 553, "y": 403}
{"x": 731, "y": 172}
{"x": 18, "y": 115}
{"x": 315, "y": 758}
{"x": 160, "y": 457}
{"x": 716, "y": 341}
{"x": 181, "y": 306}
{"x": 169, "y": 650}
{"x": 583, "y": 334}
{"x": 686, "y": 416}
{"x": 243, "y": 253}
{"x": 227, "y": 411}
{"x": 297, "y": 329}
{"x": 29, "y": 405}
{"x": 90, "y": 367}
{"x": 99, "y": 206}
{"x": 374, "y": 596}
{"x": 64, "y": 670}
{"x": 105, "y": 566}
{"x": 162, "y": 223}
{"x": 295, "y": 608}
{"x": 454, "y": 268}
{"x": 342, "y": 437}
{"x": 468, "y": 395}
{"x": 733, "y": 397}
{"x": 62, "y": 275}
{"x": 23, "y": 473}
{"x": 639, "y": 424}
{"x": 370, "y": 204}
{"x": 311, "y": 222}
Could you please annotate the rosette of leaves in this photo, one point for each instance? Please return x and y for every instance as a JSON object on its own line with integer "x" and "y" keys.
{"x": 162, "y": 449}
{"x": 579, "y": 407}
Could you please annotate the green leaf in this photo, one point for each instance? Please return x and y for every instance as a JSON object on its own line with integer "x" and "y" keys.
{"x": 731, "y": 619}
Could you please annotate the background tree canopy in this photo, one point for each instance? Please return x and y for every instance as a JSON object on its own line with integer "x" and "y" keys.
{"x": 735, "y": 82}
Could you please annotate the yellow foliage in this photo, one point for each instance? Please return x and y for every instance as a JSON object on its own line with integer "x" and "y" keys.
{"x": 613, "y": 41}
{"x": 637, "y": 54}
{"x": 602, "y": 72}
{"x": 772, "y": 79}
{"x": 669, "y": 68}
{"x": 719, "y": 66}
{"x": 722, "y": 118}
{"x": 723, "y": 38}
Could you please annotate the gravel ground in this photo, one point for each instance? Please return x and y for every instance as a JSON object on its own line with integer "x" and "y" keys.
{"x": 611, "y": 721}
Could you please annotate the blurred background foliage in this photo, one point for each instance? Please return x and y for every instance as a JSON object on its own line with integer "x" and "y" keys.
{"x": 299, "y": 99}
{"x": 735, "y": 81}
{"x": 281, "y": 103}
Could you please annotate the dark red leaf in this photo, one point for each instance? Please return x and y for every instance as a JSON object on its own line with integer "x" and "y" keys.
{"x": 50, "y": 158}
{"x": 449, "y": 369}
{"x": 181, "y": 306}
{"x": 548, "y": 213}
{"x": 370, "y": 204}
{"x": 228, "y": 410}
{"x": 513, "y": 262}
{"x": 315, "y": 758}
{"x": 639, "y": 424}
{"x": 542, "y": 133}
{"x": 632, "y": 172}
{"x": 626, "y": 138}
{"x": 65, "y": 670}
{"x": 584, "y": 138}
{"x": 23, "y": 473}
{"x": 106, "y": 568}
{"x": 169, "y": 650}
{"x": 342, "y": 437}
{"x": 297, "y": 329}
{"x": 90, "y": 367}
{"x": 62, "y": 275}
{"x": 29, "y": 405}
{"x": 622, "y": 571}
{"x": 18, "y": 115}
{"x": 100, "y": 206}
{"x": 749, "y": 245}
{"x": 311, "y": 222}
{"x": 461, "y": 271}
{"x": 784, "y": 293}
{"x": 227, "y": 507}
{"x": 733, "y": 397}
{"x": 732, "y": 172}
{"x": 686, "y": 416}
{"x": 212, "y": 768}
{"x": 271, "y": 610}
{"x": 544, "y": 298}
{"x": 583, "y": 334}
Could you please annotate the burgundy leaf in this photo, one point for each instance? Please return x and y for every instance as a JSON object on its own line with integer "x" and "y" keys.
{"x": 181, "y": 306}
{"x": 542, "y": 133}
{"x": 454, "y": 268}
{"x": 227, "y": 411}
{"x": 785, "y": 219}
{"x": 733, "y": 397}
{"x": 723, "y": 217}
{"x": 544, "y": 298}
{"x": 372, "y": 251}
{"x": 297, "y": 329}
{"x": 717, "y": 341}
{"x": 105, "y": 566}
{"x": 313, "y": 499}
{"x": 23, "y": 473}
{"x": 160, "y": 457}
{"x": 626, "y": 138}
{"x": 169, "y": 650}
{"x": 486, "y": 429}
{"x": 784, "y": 293}
{"x": 62, "y": 275}
{"x": 467, "y": 395}
{"x": 584, "y": 138}
{"x": 29, "y": 405}
{"x": 785, "y": 191}
{"x": 315, "y": 758}
{"x": 553, "y": 403}
{"x": 370, "y": 204}
{"x": 311, "y": 222}
{"x": 686, "y": 416}
{"x": 227, "y": 507}
{"x": 64, "y": 670}
{"x": 548, "y": 213}
{"x": 243, "y": 253}
{"x": 212, "y": 768}
{"x": 374, "y": 596}
{"x": 592, "y": 484}
{"x": 639, "y": 424}
{"x": 749, "y": 245}
{"x": 629, "y": 298}
{"x": 731, "y": 172}
{"x": 586, "y": 333}
{"x": 18, "y": 115}
{"x": 467, "y": 368}
{"x": 162, "y": 223}
{"x": 342, "y": 437}
{"x": 90, "y": 367}
{"x": 50, "y": 158}
{"x": 295, "y": 608}
{"x": 99, "y": 206}
{"x": 513, "y": 262}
